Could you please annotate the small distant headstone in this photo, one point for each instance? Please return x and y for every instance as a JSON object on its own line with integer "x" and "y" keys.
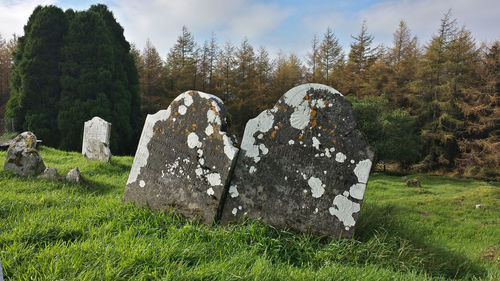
{"x": 184, "y": 158}
{"x": 74, "y": 175}
{"x": 303, "y": 165}
{"x": 50, "y": 173}
{"x": 404, "y": 178}
{"x": 413, "y": 182}
{"x": 22, "y": 157}
{"x": 95, "y": 145}
{"x": 479, "y": 206}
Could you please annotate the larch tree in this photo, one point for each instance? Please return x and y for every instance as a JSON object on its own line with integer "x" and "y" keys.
{"x": 150, "y": 70}
{"x": 330, "y": 58}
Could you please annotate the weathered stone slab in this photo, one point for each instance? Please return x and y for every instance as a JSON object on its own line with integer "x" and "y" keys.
{"x": 184, "y": 158}
{"x": 303, "y": 165}
{"x": 95, "y": 145}
{"x": 22, "y": 157}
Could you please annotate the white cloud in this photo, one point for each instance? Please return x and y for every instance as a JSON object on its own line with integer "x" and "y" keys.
{"x": 15, "y": 13}
{"x": 161, "y": 21}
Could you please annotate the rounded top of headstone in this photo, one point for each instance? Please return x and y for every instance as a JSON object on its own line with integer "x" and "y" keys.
{"x": 26, "y": 140}
{"x": 96, "y": 119}
{"x": 296, "y": 95}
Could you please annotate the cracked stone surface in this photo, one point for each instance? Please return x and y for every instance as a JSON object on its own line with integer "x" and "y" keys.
{"x": 303, "y": 165}
{"x": 184, "y": 158}
{"x": 95, "y": 145}
{"x": 22, "y": 157}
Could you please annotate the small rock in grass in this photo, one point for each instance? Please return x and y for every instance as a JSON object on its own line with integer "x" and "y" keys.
{"x": 404, "y": 178}
{"x": 50, "y": 173}
{"x": 479, "y": 206}
{"x": 413, "y": 183}
{"x": 74, "y": 175}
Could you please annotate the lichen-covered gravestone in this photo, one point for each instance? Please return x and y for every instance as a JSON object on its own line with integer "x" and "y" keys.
{"x": 303, "y": 165}
{"x": 95, "y": 145}
{"x": 184, "y": 158}
{"x": 22, "y": 157}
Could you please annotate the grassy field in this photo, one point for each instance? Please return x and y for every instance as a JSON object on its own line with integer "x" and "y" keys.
{"x": 60, "y": 231}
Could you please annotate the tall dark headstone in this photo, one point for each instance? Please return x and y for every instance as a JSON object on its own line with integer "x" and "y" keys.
{"x": 184, "y": 158}
{"x": 303, "y": 165}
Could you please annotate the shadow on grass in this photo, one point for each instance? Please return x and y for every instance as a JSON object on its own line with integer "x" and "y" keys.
{"x": 375, "y": 221}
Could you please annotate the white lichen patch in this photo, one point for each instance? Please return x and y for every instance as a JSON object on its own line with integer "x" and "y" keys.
{"x": 142, "y": 153}
{"x": 211, "y": 116}
{"x": 229, "y": 149}
{"x": 234, "y": 211}
{"x": 210, "y": 191}
{"x": 340, "y": 157}
{"x": 362, "y": 170}
{"x": 317, "y": 187}
{"x": 214, "y": 179}
{"x": 319, "y": 103}
{"x": 301, "y": 116}
{"x": 343, "y": 209}
{"x": 262, "y": 123}
{"x": 291, "y": 142}
{"x": 209, "y": 130}
{"x": 252, "y": 170}
{"x": 233, "y": 191}
{"x": 198, "y": 171}
{"x": 263, "y": 149}
{"x": 357, "y": 190}
{"x": 193, "y": 140}
{"x": 142, "y": 183}
{"x": 182, "y": 109}
{"x": 315, "y": 142}
{"x": 295, "y": 95}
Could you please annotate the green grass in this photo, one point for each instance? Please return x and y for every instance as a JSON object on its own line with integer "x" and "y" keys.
{"x": 60, "y": 231}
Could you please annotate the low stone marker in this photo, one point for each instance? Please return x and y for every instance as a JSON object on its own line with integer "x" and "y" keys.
{"x": 95, "y": 145}
{"x": 22, "y": 157}
{"x": 184, "y": 158}
{"x": 303, "y": 165}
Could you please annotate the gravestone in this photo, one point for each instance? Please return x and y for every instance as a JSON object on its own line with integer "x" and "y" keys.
{"x": 303, "y": 165}
{"x": 184, "y": 158}
{"x": 95, "y": 145}
{"x": 22, "y": 157}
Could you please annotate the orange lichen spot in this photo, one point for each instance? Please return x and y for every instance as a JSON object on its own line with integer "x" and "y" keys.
{"x": 300, "y": 137}
{"x": 306, "y": 96}
{"x": 284, "y": 109}
{"x": 171, "y": 117}
{"x": 216, "y": 147}
{"x": 334, "y": 141}
{"x": 324, "y": 102}
{"x": 219, "y": 137}
{"x": 335, "y": 126}
{"x": 332, "y": 132}
{"x": 273, "y": 134}
{"x": 278, "y": 107}
{"x": 194, "y": 125}
{"x": 187, "y": 131}
{"x": 329, "y": 121}
{"x": 162, "y": 131}
{"x": 313, "y": 123}
{"x": 176, "y": 113}
{"x": 280, "y": 125}
{"x": 191, "y": 93}
{"x": 312, "y": 114}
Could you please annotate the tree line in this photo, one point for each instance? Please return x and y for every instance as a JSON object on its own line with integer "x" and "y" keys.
{"x": 431, "y": 105}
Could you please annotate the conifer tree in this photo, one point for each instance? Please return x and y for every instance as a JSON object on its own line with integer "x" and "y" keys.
{"x": 150, "y": 66}
{"x": 35, "y": 84}
{"x": 330, "y": 57}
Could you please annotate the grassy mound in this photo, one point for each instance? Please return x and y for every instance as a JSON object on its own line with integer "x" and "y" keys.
{"x": 61, "y": 231}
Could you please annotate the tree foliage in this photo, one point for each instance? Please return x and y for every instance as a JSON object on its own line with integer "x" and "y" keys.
{"x": 70, "y": 66}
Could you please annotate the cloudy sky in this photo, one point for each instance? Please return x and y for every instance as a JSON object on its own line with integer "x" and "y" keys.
{"x": 277, "y": 24}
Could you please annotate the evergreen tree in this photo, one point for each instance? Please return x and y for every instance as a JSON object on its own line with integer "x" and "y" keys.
{"x": 402, "y": 60}
{"x": 480, "y": 145}
{"x": 150, "y": 66}
{"x": 314, "y": 75}
{"x": 450, "y": 55}
{"x": 225, "y": 73}
{"x": 361, "y": 56}
{"x": 35, "y": 87}
{"x": 330, "y": 57}
{"x": 70, "y": 66}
